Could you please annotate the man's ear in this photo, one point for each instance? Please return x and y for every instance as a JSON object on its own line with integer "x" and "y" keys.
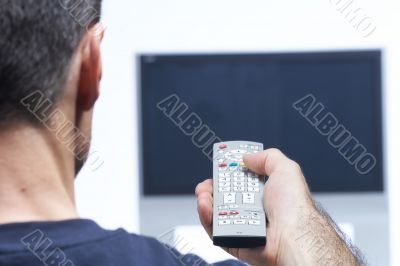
{"x": 91, "y": 68}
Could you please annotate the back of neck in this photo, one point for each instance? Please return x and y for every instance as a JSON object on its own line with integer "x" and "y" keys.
{"x": 36, "y": 177}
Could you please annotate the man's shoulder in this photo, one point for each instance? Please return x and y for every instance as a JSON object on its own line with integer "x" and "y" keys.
{"x": 134, "y": 249}
{"x": 78, "y": 242}
{"x": 83, "y": 242}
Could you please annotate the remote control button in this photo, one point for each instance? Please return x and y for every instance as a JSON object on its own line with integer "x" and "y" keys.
{"x": 234, "y": 217}
{"x": 238, "y": 151}
{"x": 240, "y": 179}
{"x": 253, "y": 184}
{"x": 238, "y": 174}
{"x": 224, "y": 184}
{"x": 244, "y": 146}
{"x": 252, "y": 222}
{"x": 242, "y": 164}
{"x": 224, "y": 179}
{"x": 239, "y": 222}
{"x": 233, "y": 213}
{"x": 248, "y": 198}
{"x": 233, "y": 206}
{"x": 238, "y": 184}
{"x": 222, "y": 165}
{"x": 224, "y": 175}
{"x": 222, "y": 207}
{"x": 228, "y": 154}
{"x": 223, "y": 146}
{"x": 223, "y": 213}
{"x": 253, "y": 189}
{"x": 255, "y": 217}
{"x": 224, "y": 189}
{"x": 233, "y": 165}
{"x": 224, "y": 222}
{"x": 245, "y": 217}
{"x": 222, "y": 217}
{"x": 229, "y": 198}
{"x": 252, "y": 179}
{"x": 237, "y": 158}
{"x": 238, "y": 189}
{"x": 221, "y": 160}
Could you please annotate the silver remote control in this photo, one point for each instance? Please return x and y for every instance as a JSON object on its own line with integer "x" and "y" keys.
{"x": 239, "y": 219}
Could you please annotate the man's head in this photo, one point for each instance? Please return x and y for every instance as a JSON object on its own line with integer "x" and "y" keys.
{"x": 49, "y": 48}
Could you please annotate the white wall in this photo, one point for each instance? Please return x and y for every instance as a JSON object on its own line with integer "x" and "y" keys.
{"x": 110, "y": 194}
{"x": 393, "y": 148}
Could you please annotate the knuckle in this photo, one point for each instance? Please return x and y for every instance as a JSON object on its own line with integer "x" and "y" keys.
{"x": 198, "y": 189}
{"x": 202, "y": 186}
{"x": 273, "y": 154}
{"x": 294, "y": 166}
{"x": 274, "y": 150}
{"x": 282, "y": 162}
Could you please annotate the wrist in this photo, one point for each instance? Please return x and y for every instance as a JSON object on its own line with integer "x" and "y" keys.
{"x": 297, "y": 237}
{"x": 313, "y": 241}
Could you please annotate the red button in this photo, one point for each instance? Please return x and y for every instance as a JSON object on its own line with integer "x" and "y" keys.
{"x": 223, "y": 165}
{"x": 223, "y": 146}
{"x": 223, "y": 213}
{"x": 234, "y": 213}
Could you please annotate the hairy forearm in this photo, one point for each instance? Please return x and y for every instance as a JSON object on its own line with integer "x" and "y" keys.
{"x": 360, "y": 260}
{"x": 317, "y": 240}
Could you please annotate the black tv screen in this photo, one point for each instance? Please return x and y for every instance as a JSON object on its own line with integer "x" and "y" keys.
{"x": 322, "y": 109}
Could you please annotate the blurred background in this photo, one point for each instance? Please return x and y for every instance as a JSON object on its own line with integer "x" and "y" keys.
{"x": 345, "y": 53}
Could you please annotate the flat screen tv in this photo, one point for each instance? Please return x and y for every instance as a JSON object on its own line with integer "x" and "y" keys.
{"x": 322, "y": 109}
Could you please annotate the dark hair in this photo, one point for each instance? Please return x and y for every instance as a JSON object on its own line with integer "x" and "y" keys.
{"x": 37, "y": 41}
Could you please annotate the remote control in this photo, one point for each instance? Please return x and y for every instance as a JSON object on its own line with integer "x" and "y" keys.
{"x": 239, "y": 220}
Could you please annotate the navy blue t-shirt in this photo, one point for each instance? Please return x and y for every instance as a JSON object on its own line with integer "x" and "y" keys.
{"x": 83, "y": 242}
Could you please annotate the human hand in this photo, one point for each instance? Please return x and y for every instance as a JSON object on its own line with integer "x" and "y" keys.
{"x": 286, "y": 199}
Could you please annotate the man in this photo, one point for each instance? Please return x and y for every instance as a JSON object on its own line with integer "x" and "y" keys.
{"x": 50, "y": 70}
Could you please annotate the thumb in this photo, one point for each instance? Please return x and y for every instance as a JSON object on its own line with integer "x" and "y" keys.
{"x": 266, "y": 162}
